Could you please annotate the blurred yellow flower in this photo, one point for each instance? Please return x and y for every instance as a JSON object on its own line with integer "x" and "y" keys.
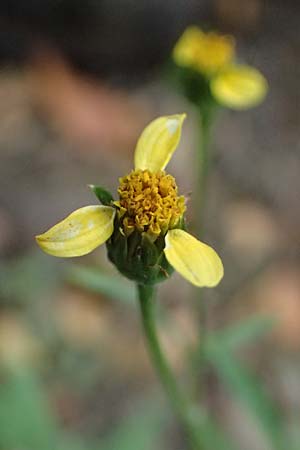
{"x": 212, "y": 55}
{"x": 149, "y": 206}
{"x": 239, "y": 87}
{"x": 205, "y": 52}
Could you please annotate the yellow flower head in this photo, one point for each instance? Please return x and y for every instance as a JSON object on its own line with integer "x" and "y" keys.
{"x": 149, "y": 202}
{"x": 143, "y": 229}
{"x": 205, "y": 52}
{"x": 212, "y": 56}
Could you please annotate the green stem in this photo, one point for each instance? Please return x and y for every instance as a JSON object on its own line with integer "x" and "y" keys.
{"x": 206, "y": 117}
{"x": 179, "y": 403}
{"x": 204, "y": 165}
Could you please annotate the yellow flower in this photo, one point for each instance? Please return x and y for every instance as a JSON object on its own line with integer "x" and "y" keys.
{"x": 205, "y": 52}
{"x": 212, "y": 55}
{"x": 239, "y": 87}
{"x": 147, "y": 220}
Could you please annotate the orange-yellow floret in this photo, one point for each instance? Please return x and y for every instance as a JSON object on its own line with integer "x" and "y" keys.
{"x": 149, "y": 202}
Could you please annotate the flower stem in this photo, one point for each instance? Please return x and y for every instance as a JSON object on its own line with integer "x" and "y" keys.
{"x": 180, "y": 405}
{"x": 205, "y": 121}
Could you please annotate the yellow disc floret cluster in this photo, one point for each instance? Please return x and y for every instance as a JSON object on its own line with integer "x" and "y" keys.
{"x": 149, "y": 202}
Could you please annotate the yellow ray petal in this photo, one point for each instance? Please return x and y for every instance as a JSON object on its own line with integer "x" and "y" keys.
{"x": 157, "y": 143}
{"x": 79, "y": 233}
{"x": 186, "y": 48}
{"x": 239, "y": 87}
{"x": 194, "y": 260}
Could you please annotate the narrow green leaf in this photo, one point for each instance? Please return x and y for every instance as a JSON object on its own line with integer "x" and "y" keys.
{"x": 243, "y": 333}
{"x": 213, "y": 437}
{"x": 25, "y": 420}
{"x": 26, "y": 279}
{"x": 139, "y": 430}
{"x": 102, "y": 194}
{"x": 75, "y": 442}
{"x": 248, "y": 390}
{"x": 94, "y": 280}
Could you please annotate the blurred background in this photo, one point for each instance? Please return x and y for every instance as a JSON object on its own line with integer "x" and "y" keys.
{"x": 78, "y": 83}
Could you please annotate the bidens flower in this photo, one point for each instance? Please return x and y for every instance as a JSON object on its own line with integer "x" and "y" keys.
{"x": 212, "y": 57}
{"x": 205, "y": 52}
{"x": 144, "y": 229}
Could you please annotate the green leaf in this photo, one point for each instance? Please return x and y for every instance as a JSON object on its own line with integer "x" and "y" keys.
{"x": 294, "y": 432}
{"x": 243, "y": 333}
{"x": 24, "y": 280}
{"x": 94, "y": 280}
{"x": 139, "y": 430}
{"x": 247, "y": 388}
{"x": 102, "y": 194}
{"x": 213, "y": 437}
{"x": 73, "y": 442}
{"x": 25, "y": 420}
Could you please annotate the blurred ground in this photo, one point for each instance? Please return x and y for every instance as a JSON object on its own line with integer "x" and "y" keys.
{"x": 60, "y": 132}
